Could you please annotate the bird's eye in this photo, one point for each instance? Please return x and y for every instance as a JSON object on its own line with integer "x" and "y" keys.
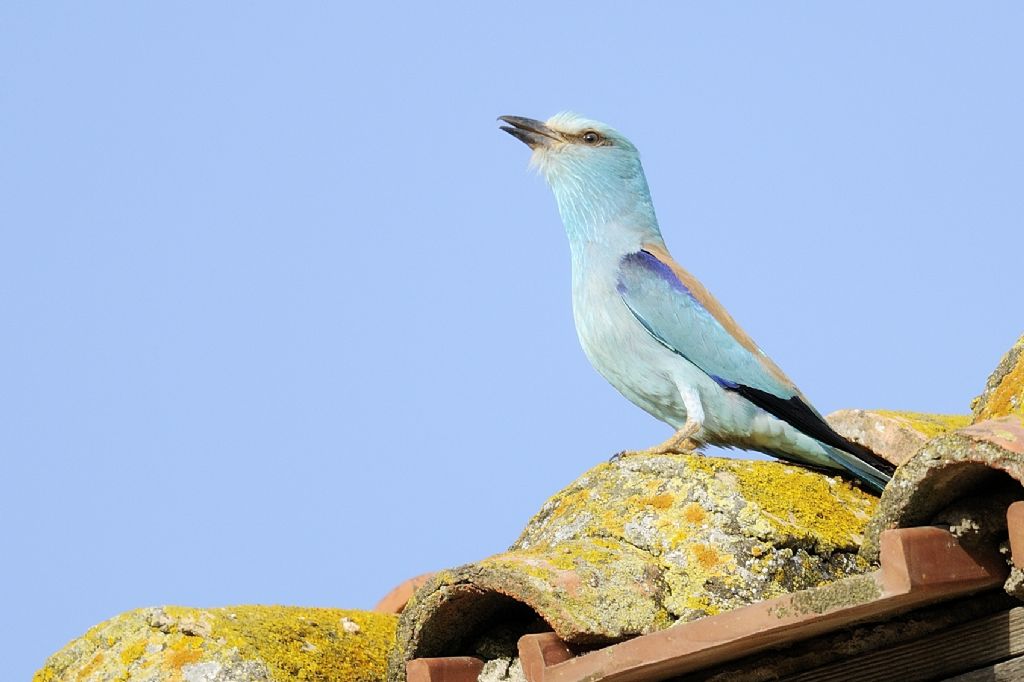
{"x": 590, "y": 137}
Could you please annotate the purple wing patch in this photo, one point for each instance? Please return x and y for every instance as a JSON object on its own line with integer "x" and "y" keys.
{"x": 724, "y": 383}
{"x": 647, "y": 261}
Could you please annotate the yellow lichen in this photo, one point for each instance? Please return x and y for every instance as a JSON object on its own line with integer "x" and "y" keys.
{"x": 928, "y": 425}
{"x": 694, "y": 513}
{"x": 569, "y": 502}
{"x": 177, "y": 658}
{"x": 291, "y": 642}
{"x": 186, "y": 643}
{"x": 701, "y": 603}
{"x": 830, "y": 511}
{"x": 286, "y": 638}
{"x": 596, "y": 551}
{"x": 90, "y": 667}
{"x": 534, "y": 565}
{"x": 675, "y": 538}
{"x": 133, "y": 652}
{"x": 1008, "y": 397}
{"x": 662, "y": 501}
{"x": 706, "y": 556}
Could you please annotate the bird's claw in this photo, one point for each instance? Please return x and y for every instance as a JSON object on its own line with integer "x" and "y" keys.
{"x": 686, "y": 446}
{"x": 618, "y": 455}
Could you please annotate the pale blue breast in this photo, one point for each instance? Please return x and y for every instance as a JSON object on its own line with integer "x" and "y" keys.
{"x": 620, "y": 349}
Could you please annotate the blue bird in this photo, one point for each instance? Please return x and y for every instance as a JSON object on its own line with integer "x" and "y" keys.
{"x": 652, "y": 330}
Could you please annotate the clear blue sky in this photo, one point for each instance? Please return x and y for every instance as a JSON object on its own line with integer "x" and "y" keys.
{"x": 286, "y": 318}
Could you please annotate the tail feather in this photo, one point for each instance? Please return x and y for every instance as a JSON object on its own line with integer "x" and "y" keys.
{"x": 872, "y": 470}
{"x": 861, "y": 462}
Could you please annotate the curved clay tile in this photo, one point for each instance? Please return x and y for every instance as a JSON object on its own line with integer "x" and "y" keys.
{"x": 894, "y": 436}
{"x": 964, "y": 479}
{"x": 395, "y": 600}
{"x": 638, "y": 544}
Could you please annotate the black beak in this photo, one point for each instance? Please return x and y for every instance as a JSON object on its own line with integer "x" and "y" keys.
{"x": 533, "y": 133}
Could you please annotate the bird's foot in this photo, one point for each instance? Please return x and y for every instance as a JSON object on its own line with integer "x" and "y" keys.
{"x": 685, "y": 447}
{"x": 681, "y": 443}
{"x": 674, "y": 446}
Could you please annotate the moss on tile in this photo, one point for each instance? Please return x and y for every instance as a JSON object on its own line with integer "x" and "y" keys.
{"x": 257, "y": 643}
{"x": 1004, "y": 390}
{"x": 929, "y": 425}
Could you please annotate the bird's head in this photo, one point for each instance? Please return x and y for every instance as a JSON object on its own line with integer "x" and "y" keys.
{"x": 593, "y": 169}
{"x": 569, "y": 145}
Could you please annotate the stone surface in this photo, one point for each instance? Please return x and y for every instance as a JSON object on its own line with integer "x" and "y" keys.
{"x": 638, "y": 544}
{"x": 502, "y": 670}
{"x": 1004, "y": 390}
{"x": 234, "y": 644}
{"x": 894, "y": 436}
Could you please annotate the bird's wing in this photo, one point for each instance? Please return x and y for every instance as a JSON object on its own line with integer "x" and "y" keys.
{"x": 680, "y": 313}
{"x": 683, "y": 316}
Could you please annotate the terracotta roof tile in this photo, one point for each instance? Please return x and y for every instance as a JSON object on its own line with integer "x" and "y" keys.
{"x": 919, "y": 566}
{"x": 395, "y": 600}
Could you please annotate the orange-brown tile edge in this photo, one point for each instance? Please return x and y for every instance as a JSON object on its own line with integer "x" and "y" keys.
{"x": 451, "y": 669}
{"x": 539, "y": 652}
{"x": 1015, "y": 526}
{"x": 930, "y": 559}
{"x": 395, "y": 600}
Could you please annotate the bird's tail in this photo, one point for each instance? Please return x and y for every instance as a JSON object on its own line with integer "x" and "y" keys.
{"x": 846, "y": 455}
{"x": 862, "y": 463}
